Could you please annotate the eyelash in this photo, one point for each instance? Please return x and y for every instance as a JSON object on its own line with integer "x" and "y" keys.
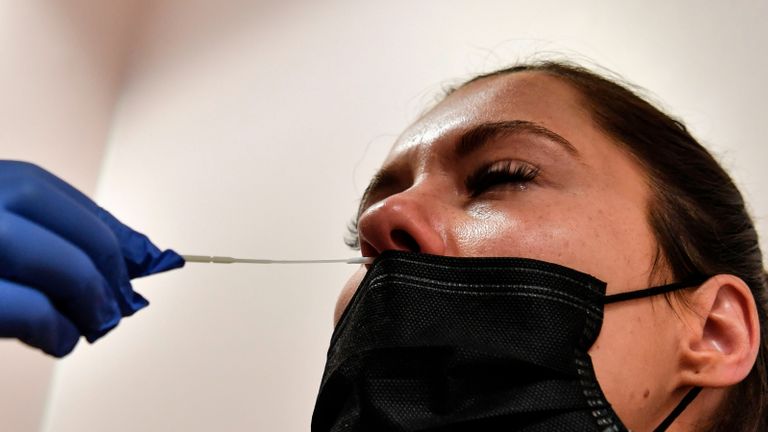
{"x": 499, "y": 173}
{"x": 488, "y": 176}
{"x": 352, "y": 236}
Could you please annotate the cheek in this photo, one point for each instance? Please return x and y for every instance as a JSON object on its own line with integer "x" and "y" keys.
{"x": 540, "y": 233}
{"x": 635, "y": 357}
{"x": 476, "y": 234}
{"x": 347, "y": 292}
{"x": 605, "y": 239}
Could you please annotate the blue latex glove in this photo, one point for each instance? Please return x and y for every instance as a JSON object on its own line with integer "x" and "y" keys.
{"x": 65, "y": 263}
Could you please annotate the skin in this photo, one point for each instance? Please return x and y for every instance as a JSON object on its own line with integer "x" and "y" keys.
{"x": 587, "y": 211}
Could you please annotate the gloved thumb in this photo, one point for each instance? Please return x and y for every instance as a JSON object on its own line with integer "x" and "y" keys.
{"x": 146, "y": 259}
{"x": 141, "y": 256}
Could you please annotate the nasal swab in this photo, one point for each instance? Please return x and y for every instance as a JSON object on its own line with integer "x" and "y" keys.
{"x": 230, "y": 260}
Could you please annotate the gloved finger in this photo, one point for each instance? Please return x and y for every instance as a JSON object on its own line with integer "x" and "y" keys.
{"x": 28, "y": 315}
{"x": 45, "y": 205}
{"x": 35, "y": 257}
{"x": 32, "y": 187}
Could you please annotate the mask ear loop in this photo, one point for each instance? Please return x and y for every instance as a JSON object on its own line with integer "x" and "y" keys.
{"x": 689, "y": 397}
{"x": 648, "y": 292}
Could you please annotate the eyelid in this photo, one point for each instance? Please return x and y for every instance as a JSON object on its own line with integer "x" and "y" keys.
{"x": 495, "y": 173}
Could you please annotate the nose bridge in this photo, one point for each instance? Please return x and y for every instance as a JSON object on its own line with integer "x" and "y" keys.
{"x": 410, "y": 220}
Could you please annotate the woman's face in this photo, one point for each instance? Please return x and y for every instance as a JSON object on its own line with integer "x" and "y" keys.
{"x": 514, "y": 166}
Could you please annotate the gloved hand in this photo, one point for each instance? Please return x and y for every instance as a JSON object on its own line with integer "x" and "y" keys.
{"x": 65, "y": 263}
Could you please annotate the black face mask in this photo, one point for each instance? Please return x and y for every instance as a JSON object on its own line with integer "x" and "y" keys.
{"x": 433, "y": 343}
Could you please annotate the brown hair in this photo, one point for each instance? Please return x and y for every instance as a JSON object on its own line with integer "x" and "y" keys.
{"x": 697, "y": 213}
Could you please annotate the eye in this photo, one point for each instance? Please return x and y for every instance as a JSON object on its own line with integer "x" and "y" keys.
{"x": 507, "y": 173}
{"x": 352, "y": 237}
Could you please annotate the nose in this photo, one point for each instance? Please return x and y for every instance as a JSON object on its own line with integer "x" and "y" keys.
{"x": 407, "y": 221}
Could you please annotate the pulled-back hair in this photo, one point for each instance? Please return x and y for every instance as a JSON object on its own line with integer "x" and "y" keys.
{"x": 696, "y": 212}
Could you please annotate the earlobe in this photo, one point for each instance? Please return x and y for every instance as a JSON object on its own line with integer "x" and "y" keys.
{"x": 723, "y": 334}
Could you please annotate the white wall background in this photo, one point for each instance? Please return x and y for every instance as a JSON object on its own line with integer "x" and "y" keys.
{"x": 251, "y": 127}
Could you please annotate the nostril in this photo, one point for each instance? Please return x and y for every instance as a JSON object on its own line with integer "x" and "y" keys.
{"x": 405, "y": 241}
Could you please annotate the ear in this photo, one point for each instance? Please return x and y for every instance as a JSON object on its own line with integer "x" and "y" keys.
{"x": 722, "y": 335}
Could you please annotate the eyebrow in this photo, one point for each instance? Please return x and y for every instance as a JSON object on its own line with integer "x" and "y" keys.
{"x": 472, "y": 141}
{"x": 480, "y": 135}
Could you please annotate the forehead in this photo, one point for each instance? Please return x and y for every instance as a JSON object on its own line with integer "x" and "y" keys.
{"x": 530, "y": 96}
